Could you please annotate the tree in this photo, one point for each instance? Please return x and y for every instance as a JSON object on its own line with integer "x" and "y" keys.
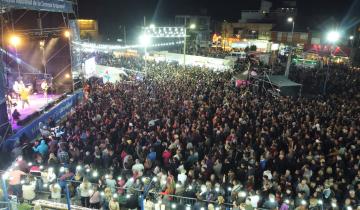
{"x": 253, "y": 48}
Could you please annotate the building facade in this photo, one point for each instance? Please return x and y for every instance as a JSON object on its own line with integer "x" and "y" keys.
{"x": 202, "y": 30}
{"x": 89, "y": 29}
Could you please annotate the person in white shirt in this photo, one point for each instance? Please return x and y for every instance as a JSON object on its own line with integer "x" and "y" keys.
{"x": 95, "y": 198}
{"x": 138, "y": 168}
{"x": 182, "y": 175}
{"x": 85, "y": 189}
{"x": 55, "y": 190}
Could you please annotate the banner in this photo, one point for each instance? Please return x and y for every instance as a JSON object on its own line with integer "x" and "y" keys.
{"x": 56, "y": 113}
{"x": 44, "y": 5}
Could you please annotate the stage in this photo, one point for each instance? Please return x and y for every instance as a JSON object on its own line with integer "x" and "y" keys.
{"x": 37, "y": 103}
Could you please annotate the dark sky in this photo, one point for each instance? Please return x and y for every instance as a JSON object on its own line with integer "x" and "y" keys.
{"x": 113, "y": 13}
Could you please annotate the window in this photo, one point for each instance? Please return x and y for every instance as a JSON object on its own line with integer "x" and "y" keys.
{"x": 303, "y": 36}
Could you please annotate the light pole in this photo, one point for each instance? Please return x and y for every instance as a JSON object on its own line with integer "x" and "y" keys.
{"x": 287, "y": 70}
{"x": 332, "y": 37}
{"x": 145, "y": 41}
{"x": 192, "y": 26}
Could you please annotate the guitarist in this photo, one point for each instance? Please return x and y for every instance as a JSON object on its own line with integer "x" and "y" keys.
{"x": 45, "y": 88}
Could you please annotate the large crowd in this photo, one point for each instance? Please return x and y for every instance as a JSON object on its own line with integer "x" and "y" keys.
{"x": 191, "y": 133}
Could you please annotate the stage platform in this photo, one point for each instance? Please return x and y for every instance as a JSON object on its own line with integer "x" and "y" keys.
{"x": 37, "y": 103}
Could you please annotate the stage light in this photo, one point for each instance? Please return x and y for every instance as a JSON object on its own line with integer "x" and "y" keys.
{"x": 290, "y": 19}
{"x": 192, "y": 26}
{"x": 15, "y": 40}
{"x": 333, "y": 36}
{"x": 42, "y": 43}
{"x": 67, "y": 34}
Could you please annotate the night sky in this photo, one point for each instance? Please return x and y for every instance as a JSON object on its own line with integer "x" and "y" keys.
{"x": 113, "y": 13}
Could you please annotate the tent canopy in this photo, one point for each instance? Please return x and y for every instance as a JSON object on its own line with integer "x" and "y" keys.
{"x": 282, "y": 81}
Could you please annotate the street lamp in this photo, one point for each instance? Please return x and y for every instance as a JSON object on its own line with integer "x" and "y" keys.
{"x": 332, "y": 37}
{"x": 145, "y": 41}
{"x": 192, "y": 26}
{"x": 287, "y": 70}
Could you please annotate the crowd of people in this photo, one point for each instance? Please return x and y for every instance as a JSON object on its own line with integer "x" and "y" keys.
{"x": 191, "y": 133}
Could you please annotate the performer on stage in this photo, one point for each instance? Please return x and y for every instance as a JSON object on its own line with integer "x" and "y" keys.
{"x": 17, "y": 87}
{"x": 24, "y": 96}
{"x": 45, "y": 87}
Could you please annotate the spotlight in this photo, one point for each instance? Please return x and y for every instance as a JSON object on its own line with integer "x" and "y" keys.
{"x": 67, "y": 34}
{"x": 15, "y": 40}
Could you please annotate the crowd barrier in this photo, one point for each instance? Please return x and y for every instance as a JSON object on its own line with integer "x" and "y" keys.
{"x": 127, "y": 197}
